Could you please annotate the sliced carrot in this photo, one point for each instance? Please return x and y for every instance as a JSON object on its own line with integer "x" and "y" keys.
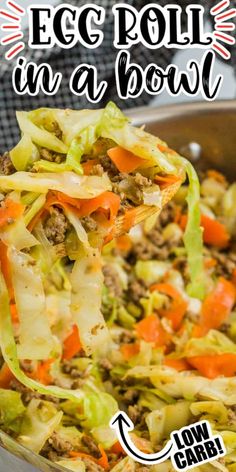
{"x": 103, "y": 460}
{"x": 10, "y": 211}
{"x": 151, "y": 330}
{"x": 14, "y": 313}
{"x": 214, "y": 232}
{"x": 216, "y": 307}
{"x": 210, "y": 263}
{"x": 234, "y": 277}
{"x": 6, "y": 376}
{"x": 178, "y": 307}
{"x": 177, "y": 364}
{"x": 164, "y": 148}
{"x": 87, "y": 166}
{"x": 124, "y": 160}
{"x": 129, "y": 219}
{"x": 214, "y": 365}
{"x": 72, "y": 344}
{"x": 129, "y": 350}
{"x": 43, "y": 372}
{"x": 124, "y": 243}
{"x": 117, "y": 449}
{"x": 166, "y": 181}
{"x": 214, "y": 174}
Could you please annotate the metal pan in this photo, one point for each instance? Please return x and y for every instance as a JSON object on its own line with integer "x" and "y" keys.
{"x": 204, "y": 132}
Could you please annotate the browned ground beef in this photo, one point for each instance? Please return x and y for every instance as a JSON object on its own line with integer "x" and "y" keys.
{"x": 226, "y": 262}
{"x": 97, "y": 170}
{"x": 112, "y": 280}
{"x": 57, "y": 130}
{"x": 108, "y": 166}
{"x": 136, "y": 290}
{"x": 59, "y": 444}
{"x": 145, "y": 250}
{"x": 56, "y": 226}
{"x": 89, "y": 224}
{"x": 90, "y": 444}
{"x": 51, "y": 156}
{"x": 6, "y": 166}
{"x": 130, "y": 187}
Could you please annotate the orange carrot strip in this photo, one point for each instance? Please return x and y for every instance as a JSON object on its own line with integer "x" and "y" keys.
{"x": 177, "y": 364}
{"x": 6, "y": 376}
{"x": 87, "y": 166}
{"x": 214, "y": 232}
{"x": 216, "y": 307}
{"x": 166, "y": 181}
{"x": 129, "y": 350}
{"x": 164, "y": 148}
{"x": 124, "y": 243}
{"x": 42, "y": 372}
{"x": 151, "y": 330}
{"x": 117, "y": 449}
{"x": 215, "y": 365}
{"x": 10, "y": 211}
{"x": 72, "y": 344}
{"x": 124, "y": 160}
{"x": 178, "y": 307}
{"x": 210, "y": 263}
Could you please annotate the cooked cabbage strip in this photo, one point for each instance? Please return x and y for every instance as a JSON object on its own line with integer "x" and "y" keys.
{"x": 87, "y": 283}
{"x": 69, "y": 183}
{"x": 9, "y": 352}
{"x": 35, "y": 338}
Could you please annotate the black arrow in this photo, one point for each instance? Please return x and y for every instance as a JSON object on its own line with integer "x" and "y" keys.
{"x": 122, "y": 424}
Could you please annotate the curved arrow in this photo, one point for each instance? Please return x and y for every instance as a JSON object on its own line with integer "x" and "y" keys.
{"x": 121, "y": 423}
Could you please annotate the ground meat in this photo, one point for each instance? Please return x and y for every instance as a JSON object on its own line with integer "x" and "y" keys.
{"x": 135, "y": 413}
{"x": 136, "y": 290}
{"x": 145, "y": 250}
{"x": 89, "y": 224}
{"x": 6, "y": 166}
{"x": 130, "y": 187}
{"x": 97, "y": 170}
{"x": 112, "y": 280}
{"x": 127, "y": 337}
{"x": 57, "y": 130}
{"x": 141, "y": 181}
{"x": 56, "y": 226}
{"x": 91, "y": 466}
{"x": 59, "y": 444}
{"x": 226, "y": 262}
{"x": 131, "y": 396}
{"x": 106, "y": 364}
{"x": 167, "y": 215}
{"x": 91, "y": 445}
{"x": 108, "y": 166}
{"x": 51, "y": 156}
{"x": 26, "y": 394}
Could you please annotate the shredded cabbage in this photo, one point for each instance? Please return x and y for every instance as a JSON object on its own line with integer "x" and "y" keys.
{"x": 17, "y": 235}
{"x": 193, "y": 236}
{"x": 24, "y": 153}
{"x": 67, "y": 182}
{"x": 11, "y": 408}
{"x": 40, "y": 420}
{"x": 35, "y": 338}
{"x": 87, "y": 282}
{"x": 39, "y": 136}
